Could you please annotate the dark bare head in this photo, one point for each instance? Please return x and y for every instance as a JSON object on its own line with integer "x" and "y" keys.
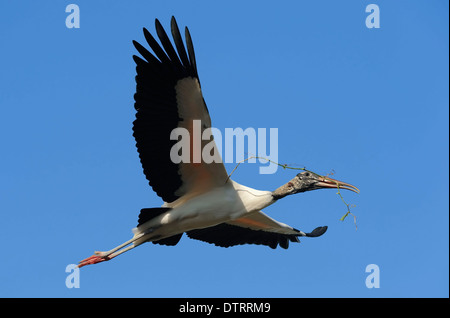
{"x": 307, "y": 181}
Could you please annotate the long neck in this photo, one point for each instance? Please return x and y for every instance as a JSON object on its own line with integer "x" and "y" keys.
{"x": 286, "y": 189}
{"x": 282, "y": 191}
{"x": 294, "y": 186}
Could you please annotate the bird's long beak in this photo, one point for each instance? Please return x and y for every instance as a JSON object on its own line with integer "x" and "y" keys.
{"x": 326, "y": 182}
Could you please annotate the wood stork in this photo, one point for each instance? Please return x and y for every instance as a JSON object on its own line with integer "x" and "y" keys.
{"x": 199, "y": 198}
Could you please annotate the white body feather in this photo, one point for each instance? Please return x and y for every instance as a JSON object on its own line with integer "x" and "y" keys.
{"x": 226, "y": 203}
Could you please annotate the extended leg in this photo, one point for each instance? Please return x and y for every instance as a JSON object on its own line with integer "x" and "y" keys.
{"x": 99, "y": 257}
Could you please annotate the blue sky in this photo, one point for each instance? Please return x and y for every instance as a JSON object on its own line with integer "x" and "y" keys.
{"x": 369, "y": 104}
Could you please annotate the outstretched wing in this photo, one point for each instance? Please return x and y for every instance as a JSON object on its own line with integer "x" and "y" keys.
{"x": 168, "y": 96}
{"x": 255, "y": 228}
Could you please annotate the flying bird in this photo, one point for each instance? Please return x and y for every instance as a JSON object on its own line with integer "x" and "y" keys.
{"x": 199, "y": 198}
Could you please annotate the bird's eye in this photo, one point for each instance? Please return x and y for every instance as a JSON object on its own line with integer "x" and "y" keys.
{"x": 307, "y": 174}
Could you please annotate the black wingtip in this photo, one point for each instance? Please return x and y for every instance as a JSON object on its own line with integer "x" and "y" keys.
{"x": 318, "y": 231}
{"x": 158, "y": 26}
{"x": 136, "y": 44}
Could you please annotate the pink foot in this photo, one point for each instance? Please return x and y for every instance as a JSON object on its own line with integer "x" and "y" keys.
{"x": 94, "y": 259}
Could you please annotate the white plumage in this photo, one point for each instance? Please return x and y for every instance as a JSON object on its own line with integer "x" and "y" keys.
{"x": 199, "y": 198}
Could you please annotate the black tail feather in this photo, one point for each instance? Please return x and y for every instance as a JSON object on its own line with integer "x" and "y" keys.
{"x": 170, "y": 241}
{"x": 150, "y": 213}
{"x": 318, "y": 231}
